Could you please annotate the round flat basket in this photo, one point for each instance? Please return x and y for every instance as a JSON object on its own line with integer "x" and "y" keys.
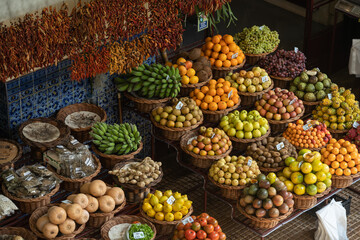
{"x": 174, "y": 134}
{"x": 281, "y": 82}
{"x": 99, "y": 218}
{"x": 252, "y": 59}
{"x": 73, "y": 185}
{"x": 338, "y": 134}
{"x": 164, "y": 228}
{"x": 28, "y": 205}
{"x": 215, "y": 116}
{"x": 306, "y": 201}
{"x": 146, "y": 105}
{"x": 222, "y": 72}
{"x": 124, "y": 219}
{"x": 109, "y": 161}
{"x": 18, "y": 231}
{"x": 81, "y": 134}
{"x": 196, "y": 159}
{"x": 269, "y": 170}
{"x": 42, "y": 211}
{"x": 229, "y": 192}
{"x": 310, "y": 106}
{"x": 11, "y": 151}
{"x": 134, "y": 193}
{"x": 280, "y": 126}
{"x": 242, "y": 144}
{"x": 185, "y": 90}
{"x": 264, "y": 222}
{"x": 341, "y": 181}
{"x": 249, "y": 99}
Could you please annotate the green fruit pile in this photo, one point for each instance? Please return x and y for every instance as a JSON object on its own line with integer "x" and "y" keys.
{"x": 311, "y": 85}
{"x": 152, "y": 81}
{"x": 116, "y": 139}
{"x": 257, "y": 40}
{"x": 338, "y": 110}
{"x": 244, "y": 124}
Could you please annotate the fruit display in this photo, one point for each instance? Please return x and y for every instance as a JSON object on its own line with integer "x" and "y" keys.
{"x": 311, "y": 134}
{"x": 234, "y": 170}
{"x": 338, "y": 110}
{"x": 311, "y": 85}
{"x": 166, "y": 206}
{"x": 132, "y": 230}
{"x": 285, "y": 64}
{"x": 306, "y": 174}
{"x": 199, "y": 227}
{"x": 279, "y": 104}
{"x": 209, "y": 141}
{"x": 222, "y": 51}
{"x": 354, "y": 135}
{"x": 271, "y": 152}
{"x": 342, "y": 157}
{"x": 257, "y": 40}
{"x": 116, "y": 139}
{"x": 182, "y": 113}
{"x": 244, "y": 125}
{"x": 151, "y": 81}
{"x": 268, "y": 198}
{"x": 217, "y": 95}
{"x": 255, "y": 80}
{"x": 140, "y": 173}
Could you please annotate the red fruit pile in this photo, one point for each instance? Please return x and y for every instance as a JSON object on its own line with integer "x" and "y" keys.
{"x": 202, "y": 227}
{"x": 354, "y": 135}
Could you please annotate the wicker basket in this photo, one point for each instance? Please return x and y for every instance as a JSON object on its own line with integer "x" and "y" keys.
{"x": 28, "y": 205}
{"x": 196, "y": 159}
{"x": 134, "y": 193}
{"x": 264, "y": 222}
{"x": 18, "y": 231}
{"x": 185, "y": 90}
{"x": 338, "y": 134}
{"x": 252, "y": 59}
{"x": 306, "y": 201}
{"x": 265, "y": 170}
{"x": 222, "y": 72}
{"x": 215, "y": 116}
{"x": 281, "y": 125}
{"x": 249, "y": 99}
{"x": 312, "y": 149}
{"x": 341, "y": 181}
{"x": 281, "y": 82}
{"x": 73, "y": 185}
{"x": 242, "y": 144}
{"x": 124, "y": 219}
{"x": 11, "y": 151}
{"x": 40, "y": 212}
{"x": 164, "y": 228}
{"x": 229, "y": 192}
{"x": 146, "y": 105}
{"x": 81, "y": 134}
{"x": 99, "y": 218}
{"x": 109, "y": 161}
{"x": 310, "y": 106}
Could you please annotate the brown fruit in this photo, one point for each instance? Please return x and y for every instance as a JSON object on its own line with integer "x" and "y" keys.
{"x": 57, "y": 215}
{"x": 278, "y": 200}
{"x": 203, "y": 76}
{"x": 64, "y": 205}
{"x": 71, "y": 197}
{"x": 93, "y": 204}
{"x": 44, "y": 219}
{"x": 67, "y": 227}
{"x": 195, "y": 54}
{"x": 97, "y": 188}
{"x": 74, "y": 211}
{"x": 84, "y": 217}
{"x": 106, "y": 203}
{"x": 50, "y": 230}
{"x": 117, "y": 194}
{"x": 274, "y": 212}
{"x": 81, "y": 199}
{"x": 284, "y": 208}
{"x": 85, "y": 188}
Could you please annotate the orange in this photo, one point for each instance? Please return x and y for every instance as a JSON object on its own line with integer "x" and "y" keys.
{"x": 190, "y": 72}
{"x": 213, "y": 106}
{"x": 240, "y": 59}
{"x": 220, "y": 91}
{"x": 343, "y": 165}
{"x": 212, "y": 61}
{"x": 354, "y": 155}
{"x": 215, "y": 55}
{"x": 354, "y": 170}
{"x": 332, "y": 171}
{"x": 335, "y": 164}
{"x": 340, "y": 158}
{"x": 347, "y": 172}
{"x": 226, "y": 63}
{"x": 204, "y": 105}
{"x": 222, "y": 57}
{"x": 232, "y": 47}
{"x": 343, "y": 151}
{"x": 346, "y": 144}
{"x": 198, "y": 102}
{"x": 216, "y": 39}
{"x": 230, "y": 103}
{"x": 208, "y": 99}
{"x": 216, "y": 99}
{"x": 329, "y": 147}
{"x": 227, "y": 83}
{"x": 218, "y": 63}
{"x": 209, "y": 45}
{"x": 351, "y": 164}
{"x": 332, "y": 141}
{"x": 331, "y": 157}
{"x": 339, "y": 172}
{"x": 350, "y": 148}
{"x": 194, "y": 79}
{"x": 229, "y": 55}
{"x": 224, "y": 97}
{"x": 235, "y": 99}
{"x": 341, "y": 141}
{"x": 347, "y": 157}
{"x": 219, "y": 85}
{"x": 212, "y": 86}
{"x": 222, "y": 43}
{"x": 222, "y": 105}
{"x": 212, "y": 92}
{"x": 228, "y": 39}
{"x": 181, "y": 60}
{"x": 204, "y": 89}
{"x": 220, "y": 80}
{"x": 185, "y": 80}
{"x": 337, "y": 145}
{"x": 219, "y": 36}
{"x": 358, "y": 167}
{"x": 208, "y": 39}
{"x": 200, "y": 95}
{"x": 326, "y": 153}
{"x": 335, "y": 151}
{"x": 217, "y": 48}
{"x": 225, "y": 49}
{"x": 226, "y": 88}
{"x": 207, "y": 52}
{"x": 182, "y": 70}
{"x": 212, "y": 81}
{"x": 234, "y": 62}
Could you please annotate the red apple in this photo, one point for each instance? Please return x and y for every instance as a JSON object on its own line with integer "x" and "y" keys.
{"x": 290, "y": 108}
{"x": 262, "y": 112}
{"x": 293, "y": 114}
{"x": 278, "y": 104}
{"x": 277, "y": 117}
{"x": 269, "y": 115}
{"x": 282, "y": 110}
{"x": 298, "y": 110}
{"x": 285, "y": 116}
{"x": 273, "y": 109}
{"x": 272, "y": 101}
{"x": 201, "y": 145}
{"x": 262, "y": 102}
{"x": 267, "y": 106}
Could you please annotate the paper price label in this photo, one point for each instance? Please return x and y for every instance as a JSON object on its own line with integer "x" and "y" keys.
{"x": 73, "y": 142}
{"x": 230, "y": 93}
{"x": 330, "y": 96}
{"x": 296, "y": 49}
{"x": 27, "y": 173}
{"x": 292, "y": 101}
{"x": 264, "y": 79}
{"x": 356, "y": 124}
{"x": 9, "y": 178}
{"x": 317, "y": 69}
{"x": 249, "y": 162}
{"x": 190, "y": 140}
{"x": 87, "y": 162}
{"x": 179, "y": 105}
{"x": 235, "y": 55}
{"x": 67, "y": 201}
{"x": 213, "y": 135}
{"x": 307, "y": 126}
{"x": 170, "y": 200}
{"x": 280, "y": 146}
{"x": 187, "y": 220}
{"x": 138, "y": 235}
{"x": 261, "y": 27}
{"x": 167, "y": 77}
{"x": 77, "y": 170}
{"x": 203, "y": 22}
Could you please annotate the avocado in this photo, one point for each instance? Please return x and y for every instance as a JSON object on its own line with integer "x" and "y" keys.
{"x": 319, "y": 86}
{"x": 310, "y": 97}
{"x": 302, "y": 86}
{"x": 313, "y": 79}
{"x": 299, "y": 94}
{"x": 310, "y": 88}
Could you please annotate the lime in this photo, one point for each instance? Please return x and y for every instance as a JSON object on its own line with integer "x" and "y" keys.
{"x": 295, "y": 166}
{"x": 321, "y": 176}
{"x": 325, "y": 168}
{"x": 321, "y": 186}
{"x": 311, "y": 190}
{"x": 328, "y": 182}
{"x": 297, "y": 177}
{"x": 306, "y": 167}
{"x": 303, "y": 151}
{"x": 289, "y": 185}
{"x": 299, "y": 189}
{"x": 287, "y": 172}
{"x": 310, "y": 178}
{"x": 317, "y": 165}
{"x": 271, "y": 177}
{"x": 328, "y": 175}
{"x": 289, "y": 160}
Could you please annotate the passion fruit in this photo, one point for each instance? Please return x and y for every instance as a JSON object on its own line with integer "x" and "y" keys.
{"x": 260, "y": 213}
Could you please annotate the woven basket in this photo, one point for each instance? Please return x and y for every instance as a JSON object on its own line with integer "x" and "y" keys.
{"x": 229, "y": 192}
{"x": 222, "y": 72}
{"x": 196, "y": 159}
{"x": 109, "y": 161}
{"x": 124, "y": 219}
{"x": 28, "y": 205}
{"x": 341, "y": 181}
{"x": 134, "y": 193}
{"x": 264, "y": 222}
{"x": 338, "y": 134}
{"x": 8, "y": 158}
{"x": 185, "y": 90}
{"x": 215, "y": 116}
{"x": 280, "y": 126}
{"x": 269, "y": 170}
{"x": 252, "y": 59}
{"x": 306, "y": 201}
{"x": 242, "y": 144}
{"x": 99, "y": 218}
{"x": 18, "y": 231}
{"x": 174, "y": 134}
{"x": 73, "y": 185}
{"x": 81, "y": 134}
{"x": 40, "y": 212}
{"x": 249, "y": 99}
{"x": 312, "y": 149}
{"x": 146, "y": 105}
{"x": 164, "y": 228}
{"x": 281, "y": 82}
{"x": 310, "y": 106}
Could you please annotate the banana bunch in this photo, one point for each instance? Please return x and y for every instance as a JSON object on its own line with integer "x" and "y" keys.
{"x": 117, "y": 139}
{"x": 152, "y": 81}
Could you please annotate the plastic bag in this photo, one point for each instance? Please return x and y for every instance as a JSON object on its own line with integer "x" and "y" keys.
{"x": 332, "y": 222}
{"x": 354, "y": 60}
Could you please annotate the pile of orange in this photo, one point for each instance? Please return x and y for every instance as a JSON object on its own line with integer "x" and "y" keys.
{"x": 222, "y": 51}
{"x": 342, "y": 157}
{"x": 186, "y": 71}
{"x": 217, "y": 95}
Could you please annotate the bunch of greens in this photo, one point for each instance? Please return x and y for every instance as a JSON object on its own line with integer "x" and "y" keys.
{"x": 144, "y": 228}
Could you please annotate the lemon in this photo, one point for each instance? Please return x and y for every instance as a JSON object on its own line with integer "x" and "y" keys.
{"x": 184, "y": 210}
{"x": 177, "y": 195}
{"x": 299, "y": 189}
{"x": 158, "y": 207}
{"x": 167, "y": 208}
{"x": 151, "y": 212}
{"x": 159, "y": 216}
{"x": 306, "y": 167}
{"x": 185, "y": 197}
{"x": 154, "y": 200}
{"x": 163, "y": 199}
{"x": 176, "y": 207}
{"x": 325, "y": 168}
{"x": 320, "y": 187}
{"x": 149, "y": 195}
{"x": 311, "y": 190}
{"x": 169, "y": 217}
{"x": 146, "y": 207}
{"x": 158, "y": 194}
{"x": 321, "y": 176}
{"x": 146, "y": 200}
{"x": 187, "y": 204}
{"x": 178, "y": 215}
{"x": 289, "y": 185}
{"x": 310, "y": 178}
{"x": 168, "y": 193}
{"x": 180, "y": 201}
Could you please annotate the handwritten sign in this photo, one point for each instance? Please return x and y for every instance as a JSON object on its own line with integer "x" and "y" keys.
{"x": 280, "y": 146}
{"x": 179, "y": 105}
{"x": 356, "y": 124}
{"x": 235, "y": 55}
{"x": 138, "y": 235}
{"x": 330, "y": 96}
{"x": 307, "y": 126}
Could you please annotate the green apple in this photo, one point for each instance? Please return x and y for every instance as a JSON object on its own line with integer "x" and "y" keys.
{"x": 231, "y": 125}
{"x": 239, "y": 126}
{"x": 225, "y": 118}
{"x": 248, "y": 127}
{"x": 250, "y": 118}
{"x": 266, "y": 126}
{"x": 263, "y": 121}
{"x": 254, "y": 113}
{"x": 236, "y": 113}
{"x": 240, "y": 134}
{"x": 230, "y": 116}
{"x": 248, "y": 135}
{"x": 243, "y": 115}
{"x": 231, "y": 132}
{"x": 256, "y": 133}
{"x": 224, "y": 123}
{"x": 256, "y": 125}
{"x": 263, "y": 130}
{"x": 257, "y": 118}
{"x": 226, "y": 128}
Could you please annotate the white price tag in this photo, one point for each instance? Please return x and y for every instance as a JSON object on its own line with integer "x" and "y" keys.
{"x": 235, "y": 55}
{"x": 264, "y": 79}
{"x": 230, "y": 93}
{"x": 9, "y": 178}
{"x": 190, "y": 140}
{"x": 170, "y": 200}
{"x": 27, "y": 173}
{"x": 77, "y": 170}
{"x": 330, "y": 96}
{"x": 187, "y": 220}
{"x": 60, "y": 146}
{"x": 249, "y": 162}
{"x": 138, "y": 235}
{"x": 73, "y": 142}
{"x": 261, "y": 27}
{"x": 179, "y": 105}
{"x": 87, "y": 162}
{"x": 317, "y": 69}
{"x": 41, "y": 167}
{"x": 280, "y": 146}
{"x": 296, "y": 49}
{"x": 67, "y": 201}
{"x": 307, "y": 126}
{"x": 292, "y": 101}
{"x": 167, "y": 77}
{"x": 356, "y": 124}
{"x": 213, "y": 135}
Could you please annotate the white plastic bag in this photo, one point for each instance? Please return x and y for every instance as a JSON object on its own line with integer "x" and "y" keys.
{"x": 332, "y": 222}
{"x": 354, "y": 60}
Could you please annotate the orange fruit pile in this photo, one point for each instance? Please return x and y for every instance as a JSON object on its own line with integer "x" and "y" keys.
{"x": 342, "y": 157}
{"x": 222, "y": 51}
{"x": 217, "y": 95}
{"x": 187, "y": 73}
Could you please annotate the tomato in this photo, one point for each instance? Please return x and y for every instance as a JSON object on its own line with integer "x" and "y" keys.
{"x": 201, "y": 234}
{"x": 204, "y": 215}
{"x": 217, "y": 228}
{"x": 180, "y": 226}
{"x": 187, "y": 226}
{"x": 213, "y": 221}
{"x": 135, "y": 222}
{"x": 214, "y": 236}
{"x": 190, "y": 234}
{"x": 203, "y": 222}
{"x": 196, "y": 226}
{"x": 209, "y": 228}
{"x": 222, "y": 236}
{"x": 193, "y": 217}
{"x": 181, "y": 234}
